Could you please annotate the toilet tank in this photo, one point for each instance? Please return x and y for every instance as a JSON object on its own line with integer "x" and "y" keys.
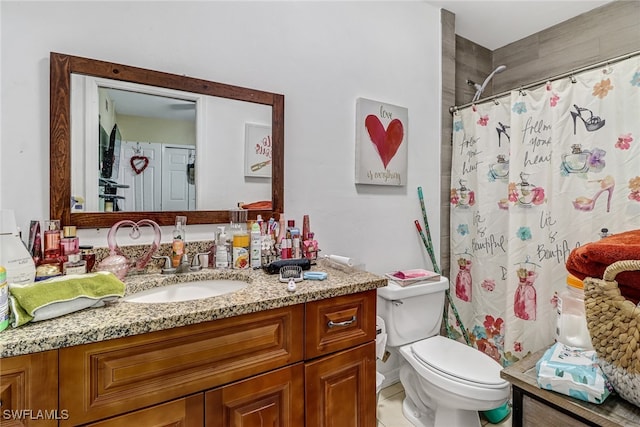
{"x": 412, "y": 312}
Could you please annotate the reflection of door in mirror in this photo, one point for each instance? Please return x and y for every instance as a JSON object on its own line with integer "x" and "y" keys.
{"x": 134, "y": 116}
{"x": 157, "y": 177}
{"x": 178, "y": 194}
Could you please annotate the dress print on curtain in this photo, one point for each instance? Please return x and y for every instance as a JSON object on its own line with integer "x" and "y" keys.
{"x": 535, "y": 174}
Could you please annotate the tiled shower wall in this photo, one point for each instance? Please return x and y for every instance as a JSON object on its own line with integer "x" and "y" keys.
{"x": 604, "y": 33}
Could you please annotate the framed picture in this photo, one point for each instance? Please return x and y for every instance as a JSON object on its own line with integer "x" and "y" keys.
{"x": 257, "y": 150}
{"x": 381, "y": 143}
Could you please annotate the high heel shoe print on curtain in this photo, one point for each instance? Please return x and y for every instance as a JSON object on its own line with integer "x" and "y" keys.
{"x": 503, "y": 129}
{"x": 525, "y": 300}
{"x": 591, "y": 122}
{"x": 587, "y": 204}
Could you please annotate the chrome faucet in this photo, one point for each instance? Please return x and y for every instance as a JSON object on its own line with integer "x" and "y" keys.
{"x": 184, "y": 266}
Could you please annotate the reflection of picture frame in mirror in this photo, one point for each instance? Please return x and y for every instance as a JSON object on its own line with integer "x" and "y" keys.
{"x": 257, "y": 150}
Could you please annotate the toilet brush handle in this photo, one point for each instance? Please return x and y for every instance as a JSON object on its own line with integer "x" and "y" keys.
{"x": 333, "y": 324}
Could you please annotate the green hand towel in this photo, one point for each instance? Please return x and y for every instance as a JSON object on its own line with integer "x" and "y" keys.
{"x": 64, "y": 294}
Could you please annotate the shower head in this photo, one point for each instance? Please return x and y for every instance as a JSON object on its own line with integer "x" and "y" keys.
{"x": 481, "y": 88}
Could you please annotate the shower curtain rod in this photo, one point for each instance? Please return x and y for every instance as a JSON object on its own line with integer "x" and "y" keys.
{"x": 455, "y": 108}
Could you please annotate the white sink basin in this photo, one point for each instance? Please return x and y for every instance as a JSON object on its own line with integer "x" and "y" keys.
{"x": 187, "y": 291}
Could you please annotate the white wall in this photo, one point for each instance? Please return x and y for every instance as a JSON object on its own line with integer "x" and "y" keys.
{"x": 321, "y": 55}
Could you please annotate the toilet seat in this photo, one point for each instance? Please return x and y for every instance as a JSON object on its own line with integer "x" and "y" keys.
{"x": 458, "y": 362}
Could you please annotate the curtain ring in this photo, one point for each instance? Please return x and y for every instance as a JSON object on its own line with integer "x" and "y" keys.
{"x": 495, "y": 101}
{"x": 573, "y": 79}
{"x": 455, "y": 110}
{"x": 608, "y": 69}
{"x": 522, "y": 92}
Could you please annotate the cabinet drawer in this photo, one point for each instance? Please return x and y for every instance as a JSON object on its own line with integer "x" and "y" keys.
{"x": 339, "y": 323}
{"x": 103, "y": 379}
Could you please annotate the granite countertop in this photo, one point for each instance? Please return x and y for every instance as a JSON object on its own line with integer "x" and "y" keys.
{"x": 122, "y": 319}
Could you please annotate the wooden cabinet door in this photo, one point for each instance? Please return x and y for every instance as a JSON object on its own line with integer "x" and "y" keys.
{"x": 29, "y": 390}
{"x": 274, "y": 399}
{"x": 340, "y": 389}
{"x": 185, "y": 412}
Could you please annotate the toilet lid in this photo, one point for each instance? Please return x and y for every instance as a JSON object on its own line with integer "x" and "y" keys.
{"x": 458, "y": 360}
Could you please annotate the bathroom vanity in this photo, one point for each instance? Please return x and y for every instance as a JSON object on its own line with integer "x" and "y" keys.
{"x": 259, "y": 356}
{"x": 533, "y": 406}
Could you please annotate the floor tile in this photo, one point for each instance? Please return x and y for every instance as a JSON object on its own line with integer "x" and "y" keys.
{"x": 390, "y": 409}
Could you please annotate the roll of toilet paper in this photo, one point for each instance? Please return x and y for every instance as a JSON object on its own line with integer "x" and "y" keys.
{"x": 381, "y": 337}
{"x": 342, "y": 260}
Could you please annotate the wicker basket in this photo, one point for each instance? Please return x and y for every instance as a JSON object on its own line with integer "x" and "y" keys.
{"x": 614, "y": 326}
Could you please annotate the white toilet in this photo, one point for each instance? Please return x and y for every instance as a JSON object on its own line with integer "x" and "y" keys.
{"x": 446, "y": 382}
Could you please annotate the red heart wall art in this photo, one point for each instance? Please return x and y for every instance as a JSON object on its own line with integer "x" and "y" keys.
{"x": 387, "y": 141}
{"x": 139, "y": 164}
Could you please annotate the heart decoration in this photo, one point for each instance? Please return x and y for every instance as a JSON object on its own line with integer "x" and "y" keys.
{"x": 117, "y": 262}
{"x": 138, "y": 167}
{"x": 387, "y": 141}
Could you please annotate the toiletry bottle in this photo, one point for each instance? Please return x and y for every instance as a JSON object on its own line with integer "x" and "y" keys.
{"x": 213, "y": 252}
{"x": 177, "y": 247}
{"x": 241, "y": 244}
{"x": 14, "y": 256}
{"x": 256, "y": 246}
{"x": 75, "y": 265}
{"x": 89, "y": 256}
{"x": 222, "y": 255}
{"x": 295, "y": 238}
{"x": 70, "y": 243}
{"x": 52, "y": 239}
{"x": 35, "y": 242}
{"x": 4, "y": 299}
{"x": 285, "y": 246}
{"x": 305, "y": 227}
{"x": 310, "y": 247}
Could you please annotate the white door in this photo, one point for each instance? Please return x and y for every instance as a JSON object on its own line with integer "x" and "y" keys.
{"x": 145, "y": 183}
{"x": 175, "y": 178}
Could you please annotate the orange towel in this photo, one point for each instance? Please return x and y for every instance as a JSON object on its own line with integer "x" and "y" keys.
{"x": 591, "y": 259}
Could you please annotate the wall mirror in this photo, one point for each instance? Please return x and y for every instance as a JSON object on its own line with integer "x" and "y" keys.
{"x": 90, "y": 108}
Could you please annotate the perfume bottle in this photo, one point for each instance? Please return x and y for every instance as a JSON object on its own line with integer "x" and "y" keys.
{"x": 70, "y": 243}
{"x": 577, "y": 160}
{"x": 500, "y": 169}
{"x": 52, "y": 248}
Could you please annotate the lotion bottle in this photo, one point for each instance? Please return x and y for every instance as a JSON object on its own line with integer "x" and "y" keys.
{"x": 256, "y": 246}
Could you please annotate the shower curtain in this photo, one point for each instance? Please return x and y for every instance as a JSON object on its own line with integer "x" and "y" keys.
{"x": 535, "y": 174}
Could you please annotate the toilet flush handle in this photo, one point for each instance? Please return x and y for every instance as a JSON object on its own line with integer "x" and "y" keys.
{"x": 397, "y": 302}
{"x": 332, "y": 324}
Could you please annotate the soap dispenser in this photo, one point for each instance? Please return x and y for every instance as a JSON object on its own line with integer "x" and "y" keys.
{"x": 222, "y": 254}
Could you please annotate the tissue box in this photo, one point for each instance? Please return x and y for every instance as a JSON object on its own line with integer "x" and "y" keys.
{"x": 573, "y": 372}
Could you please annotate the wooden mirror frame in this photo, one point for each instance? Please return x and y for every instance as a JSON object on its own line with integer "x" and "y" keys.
{"x": 62, "y": 66}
